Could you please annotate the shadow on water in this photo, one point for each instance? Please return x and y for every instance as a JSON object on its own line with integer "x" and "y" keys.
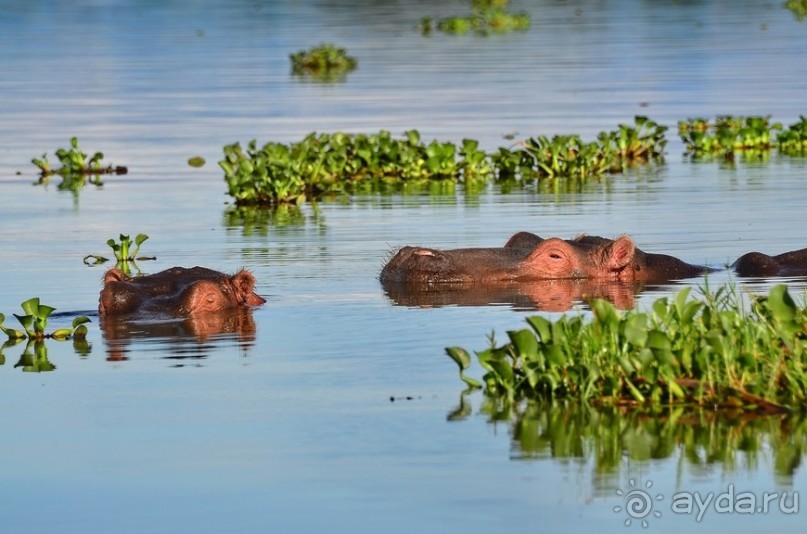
{"x": 612, "y": 438}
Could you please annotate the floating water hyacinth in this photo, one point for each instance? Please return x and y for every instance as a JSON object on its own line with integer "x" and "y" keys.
{"x": 35, "y": 322}
{"x": 707, "y": 352}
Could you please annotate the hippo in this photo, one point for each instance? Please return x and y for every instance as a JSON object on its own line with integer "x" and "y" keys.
{"x": 527, "y": 257}
{"x": 757, "y": 264}
{"x": 178, "y": 292}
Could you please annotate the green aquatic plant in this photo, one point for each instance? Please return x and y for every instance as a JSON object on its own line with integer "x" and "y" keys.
{"x": 487, "y": 16}
{"x": 196, "y": 161}
{"x": 728, "y": 135}
{"x": 325, "y": 62}
{"x": 35, "y": 322}
{"x": 793, "y": 140}
{"x": 570, "y": 156}
{"x": 708, "y": 352}
{"x": 123, "y": 252}
{"x": 797, "y": 7}
{"x": 331, "y": 164}
{"x": 75, "y": 163}
{"x": 635, "y": 144}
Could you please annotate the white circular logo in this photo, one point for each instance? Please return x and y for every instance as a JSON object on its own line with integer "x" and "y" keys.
{"x": 638, "y": 503}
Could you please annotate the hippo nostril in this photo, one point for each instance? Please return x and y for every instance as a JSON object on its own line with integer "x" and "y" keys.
{"x": 423, "y": 252}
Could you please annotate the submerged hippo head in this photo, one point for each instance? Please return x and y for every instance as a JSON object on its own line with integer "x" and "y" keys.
{"x": 757, "y": 264}
{"x": 177, "y": 291}
{"x": 529, "y": 257}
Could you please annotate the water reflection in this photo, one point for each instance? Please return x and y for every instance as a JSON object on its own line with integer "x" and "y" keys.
{"x": 183, "y": 338}
{"x": 545, "y": 295}
{"x": 34, "y": 358}
{"x": 254, "y": 220}
{"x": 700, "y": 440}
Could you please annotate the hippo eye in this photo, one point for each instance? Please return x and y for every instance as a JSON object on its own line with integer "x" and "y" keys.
{"x": 555, "y": 256}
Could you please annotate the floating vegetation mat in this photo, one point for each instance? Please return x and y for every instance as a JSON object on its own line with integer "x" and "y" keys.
{"x": 712, "y": 351}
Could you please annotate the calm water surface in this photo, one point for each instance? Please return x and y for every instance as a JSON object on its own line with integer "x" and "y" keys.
{"x": 292, "y": 428}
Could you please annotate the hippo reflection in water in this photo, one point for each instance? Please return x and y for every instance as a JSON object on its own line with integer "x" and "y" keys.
{"x": 553, "y": 271}
{"x": 184, "y": 337}
{"x": 177, "y": 292}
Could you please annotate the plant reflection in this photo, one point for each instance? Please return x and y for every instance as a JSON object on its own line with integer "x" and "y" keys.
{"x": 34, "y": 358}
{"x": 702, "y": 440}
{"x": 254, "y": 220}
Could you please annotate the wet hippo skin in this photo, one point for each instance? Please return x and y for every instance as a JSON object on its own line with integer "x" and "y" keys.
{"x": 178, "y": 291}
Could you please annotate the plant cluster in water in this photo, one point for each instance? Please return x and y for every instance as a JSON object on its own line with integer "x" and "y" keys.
{"x": 798, "y": 8}
{"x": 793, "y": 140}
{"x": 324, "y": 164}
{"x": 751, "y": 137}
{"x": 727, "y": 135}
{"x": 487, "y": 16}
{"x": 710, "y": 352}
{"x": 35, "y": 321}
{"x": 570, "y": 156}
{"x": 75, "y": 167}
{"x": 124, "y": 256}
{"x": 325, "y": 62}
{"x": 35, "y": 356}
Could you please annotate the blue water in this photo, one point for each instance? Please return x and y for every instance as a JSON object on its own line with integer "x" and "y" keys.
{"x": 295, "y": 431}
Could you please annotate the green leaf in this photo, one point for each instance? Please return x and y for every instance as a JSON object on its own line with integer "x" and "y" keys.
{"x": 636, "y": 330}
{"x": 13, "y": 333}
{"x": 80, "y": 333}
{"x": 504, "y": 372}
{"x": 542, "y": 327}
{"x": 781, "y": 304}
{"x": 81, "y": 319}
{"x": 459, "y": 355}
{"x": 27, "y": 322}
{"x": 524, "y": 342}
{"x": 656, "y": 339}
{"x": 61, "y": 333}
{"x": 44, "y": 311}
{"x": 463, "y": 360}
{"x": 681, "y": 300}
{"x": 604, "y": 312}
{"x": 30, "y": 307}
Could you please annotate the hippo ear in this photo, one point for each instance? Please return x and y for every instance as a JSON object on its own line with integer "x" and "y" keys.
{"x": 244, "y": 283}
{"x": 523, "y": 240}
{"x": 619, "y": 254}
{"x": 114, "y": 275}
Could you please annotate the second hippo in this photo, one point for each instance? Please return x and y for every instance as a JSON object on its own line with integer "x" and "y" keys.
{"x": 527, "y": 256}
